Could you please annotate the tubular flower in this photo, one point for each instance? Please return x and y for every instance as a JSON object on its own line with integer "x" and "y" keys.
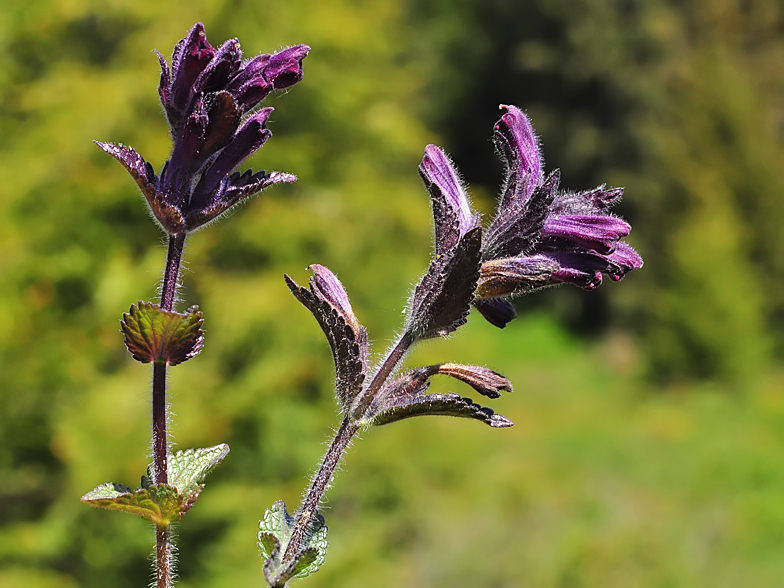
{"x": 539, "y": 237}
{"x": 209, "y": 97}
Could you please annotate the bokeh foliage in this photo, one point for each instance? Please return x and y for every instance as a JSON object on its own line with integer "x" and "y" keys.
{"x": 646, "y": 454}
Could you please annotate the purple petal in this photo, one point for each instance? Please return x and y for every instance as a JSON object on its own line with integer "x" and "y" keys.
{"x": 326, "y": 286}
{"x": 497, "y": 311}
{"x": 516, "y": 142}
{"x": 189, "y": 59}
{"x": 221, "y": 68}
{"x": 583, "y": 269}
{"x": 598, "y": 233}
{"x": 285, "y": 67}
{"x": 246, "y": 141}
{"x": 451, "y": 211}
{"x": 624, "y": 260}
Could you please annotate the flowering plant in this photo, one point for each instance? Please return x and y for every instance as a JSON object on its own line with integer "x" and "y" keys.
{"x": 539, "y": 237}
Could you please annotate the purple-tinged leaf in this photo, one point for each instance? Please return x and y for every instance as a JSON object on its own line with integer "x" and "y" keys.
{"x": 153, "y": 334}
{"x": 160, "y": 503}
{"x": 233, "y": 190}
{"x": 328, "y": 302}
{"x": 517, "y": 228}
{"x": 497, "y": 311}
{"x": 168, "y": 216}
{"x": 403, "y": 407}
{"x": 442, "y": 299}
{"x": 593, "y": 202}
{"x": 452, "y": 212}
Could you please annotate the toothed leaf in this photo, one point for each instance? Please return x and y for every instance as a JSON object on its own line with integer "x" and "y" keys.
{"x": 273, "y": 538}
{"x": 153, "y": 334}
{"x": 160, "y": 503}
{"x": 442, "y": 299}
{"x": 188, "y": 468}
{"x": 327, "y": 300}
{"x": 399, "y": 407}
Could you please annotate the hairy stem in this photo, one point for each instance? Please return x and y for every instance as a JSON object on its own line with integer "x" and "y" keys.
{"x": 379, "y": 379}
{"x": 309, "y": 506}
{"x": 172, "y": 271}
{"x": 340, "y": 443}
{"x": 160, "y": 447}
{"x": 163, "y": 557}
{"x": 159, "y": 442}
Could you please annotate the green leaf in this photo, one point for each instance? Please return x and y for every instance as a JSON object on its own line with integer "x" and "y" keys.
{"x": 153, "y": 334}
{"x": 273, "y": 538}
{"x": 188, "y": 468}
{"x": 161, "y": 504}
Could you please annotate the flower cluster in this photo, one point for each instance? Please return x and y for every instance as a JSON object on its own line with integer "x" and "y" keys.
{"x": 539, "y": 237}
{"x": 209, "y": 96}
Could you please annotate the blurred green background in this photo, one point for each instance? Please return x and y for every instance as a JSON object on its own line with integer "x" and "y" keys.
{"x": 649, "y": 445}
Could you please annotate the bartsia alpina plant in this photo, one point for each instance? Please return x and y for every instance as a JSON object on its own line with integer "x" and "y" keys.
{"x": 210, "y": 97}
{"x": 539, "y": 237}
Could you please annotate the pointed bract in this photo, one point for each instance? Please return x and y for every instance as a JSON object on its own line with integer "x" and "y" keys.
{"x": 442, "y": 299}
{"x": 327, "y": 300}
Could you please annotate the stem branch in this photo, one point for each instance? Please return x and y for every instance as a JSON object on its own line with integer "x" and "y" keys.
{"x": 319, "y": 485}
{"x": 346, "y": 432}
{"x": 379, "y": 379}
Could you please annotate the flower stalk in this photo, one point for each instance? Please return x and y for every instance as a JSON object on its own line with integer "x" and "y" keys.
{"x": 163, "y": 547}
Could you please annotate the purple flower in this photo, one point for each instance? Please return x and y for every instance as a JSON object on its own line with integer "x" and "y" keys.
{"x": 209, "y": 95}
{"x": 539, "y": 237}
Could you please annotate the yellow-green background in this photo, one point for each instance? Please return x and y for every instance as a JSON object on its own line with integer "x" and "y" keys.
{"x": 649, "y": 445}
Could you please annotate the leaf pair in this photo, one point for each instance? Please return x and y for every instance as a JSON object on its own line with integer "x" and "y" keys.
{"x": 163, "y": 504}
{"x": 274, "y": 536}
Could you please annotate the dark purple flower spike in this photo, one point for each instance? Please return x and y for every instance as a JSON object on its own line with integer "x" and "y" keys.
{"x": 208, "y": 95}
